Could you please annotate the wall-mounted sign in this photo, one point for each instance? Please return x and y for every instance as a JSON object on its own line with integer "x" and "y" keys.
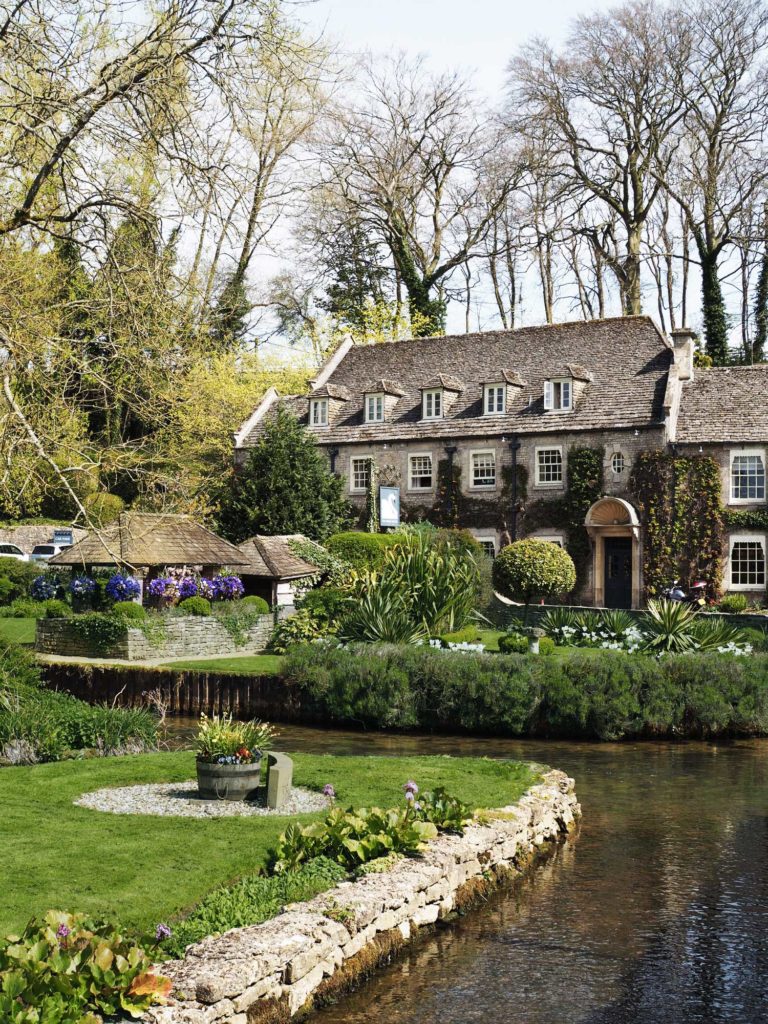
{"x": 63, "y": 537}
{"x": 389, "y": 506}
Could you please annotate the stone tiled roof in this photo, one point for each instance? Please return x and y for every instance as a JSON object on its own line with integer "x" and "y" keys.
{"x": 272, "y": 557}
{"x": 506, "y": 377}
{"x": 627, "y": 359}
{"x": 145, "y": 539}
{"x": 332, "y": 391}
{"x": 725, "y": 404}
{"x": 387, "y": 387}
{"x": 444, "y": 380}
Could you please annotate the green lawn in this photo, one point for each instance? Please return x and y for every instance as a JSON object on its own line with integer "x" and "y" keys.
{"x": 144, "y": 870}
{"x": 250, "y": 664}
{"x": 490, "y": 637}
{"x": 18, "y": 631}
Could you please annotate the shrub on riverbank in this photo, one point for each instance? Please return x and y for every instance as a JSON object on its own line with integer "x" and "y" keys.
{"x": 40, "y": 725}
{"x": 586, "y": 694}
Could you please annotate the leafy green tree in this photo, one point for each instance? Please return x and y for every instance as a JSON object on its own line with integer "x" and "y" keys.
{"x": 531, "y": 569}
{"x": 285, "y": 487}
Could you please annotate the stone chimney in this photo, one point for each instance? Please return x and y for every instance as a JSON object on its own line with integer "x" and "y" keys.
{"x": 683, "y": 341}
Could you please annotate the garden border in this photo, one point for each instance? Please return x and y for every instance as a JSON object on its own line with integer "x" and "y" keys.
{"x": 289, "y": 965}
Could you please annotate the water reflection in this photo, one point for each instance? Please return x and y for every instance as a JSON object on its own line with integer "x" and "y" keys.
{"x": 656, "y": 913}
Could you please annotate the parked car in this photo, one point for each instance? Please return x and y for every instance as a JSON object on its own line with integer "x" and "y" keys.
{"x": 13, "y": 551}
{"x": 42, "y": 552}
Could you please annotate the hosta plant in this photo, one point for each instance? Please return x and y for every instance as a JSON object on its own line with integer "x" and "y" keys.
{"x": 220, "y": 740}
{"x": 71, "y": 969}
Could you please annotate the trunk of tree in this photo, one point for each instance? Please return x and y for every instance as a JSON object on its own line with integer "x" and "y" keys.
{"x": 631, "y": 294}
{"x": 713, "y": 310}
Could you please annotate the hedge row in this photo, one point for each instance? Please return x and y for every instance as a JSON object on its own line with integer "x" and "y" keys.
{"x": 603, "y": 695}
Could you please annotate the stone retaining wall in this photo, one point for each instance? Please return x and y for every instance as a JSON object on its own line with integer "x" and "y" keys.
{"x": 270, "y": 972}
{"x": 190, "y": 636}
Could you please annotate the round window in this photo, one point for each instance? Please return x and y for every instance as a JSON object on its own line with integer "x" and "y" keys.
{"x": 617, "y": 463}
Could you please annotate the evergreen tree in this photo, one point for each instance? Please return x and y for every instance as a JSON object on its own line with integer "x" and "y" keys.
{"x": 761, "y": 302}
{"x": 229, "y": 318}
{"x": 285, "y": 487}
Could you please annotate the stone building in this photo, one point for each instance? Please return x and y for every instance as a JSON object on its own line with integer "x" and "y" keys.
{"x": 535, "y": 432}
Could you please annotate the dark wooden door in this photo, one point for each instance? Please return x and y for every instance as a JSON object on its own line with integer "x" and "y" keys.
{"x": 618, "y": 572}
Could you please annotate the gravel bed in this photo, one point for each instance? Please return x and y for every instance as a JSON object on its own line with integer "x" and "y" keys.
{"x": 180, "y": 799}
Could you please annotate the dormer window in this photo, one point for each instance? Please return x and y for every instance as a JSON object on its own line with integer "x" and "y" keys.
{"x": 495, "y": 399}
{"x": 432, "y": 404}
{"x": 318, "y": 412}
{"x": 374, "y": 408}
{"x": 558, "y": 395}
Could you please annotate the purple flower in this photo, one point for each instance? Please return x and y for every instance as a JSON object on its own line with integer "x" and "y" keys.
{"x": 409, "y": 795}
{"x": 329, "y": 791}
{"x": 122, "y": 588}
{"x": 417, "y": 806}
{"x": 188, "y": 587}
{"x": 162, "y": 932}
{"x": 62, "y": 931}
{"x": 411, "y": 787}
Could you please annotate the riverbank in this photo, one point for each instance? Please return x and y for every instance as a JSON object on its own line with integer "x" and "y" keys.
{"x": 142, "y": 869}
{"x": 315, "y": 950}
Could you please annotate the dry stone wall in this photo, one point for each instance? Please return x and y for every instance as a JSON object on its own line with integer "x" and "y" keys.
{"x": 272, "y": 971}
{"x": 189, "y": 637}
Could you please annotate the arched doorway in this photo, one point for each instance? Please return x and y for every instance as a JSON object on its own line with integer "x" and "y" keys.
{"x": 614, "y": 527}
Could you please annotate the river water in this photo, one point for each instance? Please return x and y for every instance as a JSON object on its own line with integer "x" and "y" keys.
{"x": 656, "y": 912}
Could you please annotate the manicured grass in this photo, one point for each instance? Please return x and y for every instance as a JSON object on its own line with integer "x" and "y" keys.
{"x": 490, "y": 637}
{"x": 17, "y": 631}
{"x": 142, "y": 869}
{"x": 249, "y": 664}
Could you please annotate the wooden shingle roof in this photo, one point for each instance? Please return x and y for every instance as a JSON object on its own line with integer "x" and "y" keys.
{"x": 143, "y": 539}
{"x": 272, "y": 557}
{"x": 625, "y": 358}
{"x": 725, "y": 404}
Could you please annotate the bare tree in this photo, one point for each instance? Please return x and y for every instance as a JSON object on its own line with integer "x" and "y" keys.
{"x": 611, "y": 100}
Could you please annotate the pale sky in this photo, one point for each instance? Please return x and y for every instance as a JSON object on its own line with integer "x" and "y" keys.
{"x": 475, "y": 35}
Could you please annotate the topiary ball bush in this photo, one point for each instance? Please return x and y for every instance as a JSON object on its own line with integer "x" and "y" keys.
{"x": 56, "y": 609}
{"x": 256, "y": 604}
{"x": 195, "y": 606}
{"x": 129, "y": 610}
{"x": 533, "y": 569}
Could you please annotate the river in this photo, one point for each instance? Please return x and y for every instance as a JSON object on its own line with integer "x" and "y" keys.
{"x": 657, "y": 911}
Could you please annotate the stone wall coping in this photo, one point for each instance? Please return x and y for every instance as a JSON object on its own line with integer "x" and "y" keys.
{"x": 286, "y": 959}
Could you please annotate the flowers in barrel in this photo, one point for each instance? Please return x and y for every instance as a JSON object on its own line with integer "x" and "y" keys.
{"x": 43, "y": 588}
{"x": 82, "y": 586}
{"x": 122, "y": 588}
{"x": 163, "y": 588}
{"x": 221, "y": 740}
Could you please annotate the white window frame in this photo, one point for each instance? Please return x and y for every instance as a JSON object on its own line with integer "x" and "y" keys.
{"x": 483, "y": 487}
{"x": 550, "y": 538}
{"x": 735, "y": 453}
{"x": 484, "y": 538}
{"x": 433, "y": 393}
{"x": 352, "y": 460}
{"x": 549, "y": 394}
{"x": 421, "y": 455}
{"x": 315, "y": 405}
{"x": 746, "y": 538}
{"x": 493, "y": 389}
{"x": 537, "y": 467}
{"x": 375, "y": 399}
{"x": 618, "y": 455}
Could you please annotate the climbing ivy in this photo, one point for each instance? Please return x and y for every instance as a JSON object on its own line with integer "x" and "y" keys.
{"x": 372, "y": 498}
{"x": 682, "y": 518}
{"x": 745, "y": 518}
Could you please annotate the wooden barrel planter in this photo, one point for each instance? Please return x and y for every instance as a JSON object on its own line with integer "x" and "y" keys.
{"x": 229, "y": 781}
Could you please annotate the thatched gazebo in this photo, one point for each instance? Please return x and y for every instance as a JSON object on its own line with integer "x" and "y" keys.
{"x": 270, "y": 569}
{"x": 143, "y": 542}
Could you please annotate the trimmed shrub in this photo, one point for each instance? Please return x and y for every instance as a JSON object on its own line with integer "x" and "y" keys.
{"x": 533, "y": 569}
{"x": 196, "y": 606}
{"x": 516, "y": 643}
{"x": 467, "y": 635}
{"x": 129, "y": 610}
{"x": 362, "y": 550}
{"x": 733, "y": 603}
{"x": 56, "y": 609}
{"x": 602, "y": 695}
{"x": 257, "y": 604}
{"x": 300, "y": 628}
{"x": 23, "y": 608}
{"x": 20, "y": 574}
